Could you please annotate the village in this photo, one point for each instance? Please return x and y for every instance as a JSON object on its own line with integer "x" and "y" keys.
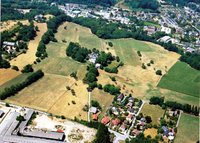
{"x": 164, "y": 23}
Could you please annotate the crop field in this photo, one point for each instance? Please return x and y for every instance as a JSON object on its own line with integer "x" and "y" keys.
{"x": 188, "y": 129}
{"x": 29, "y": 57}
{"x": 7, "y": 74}
{"x": 154, "y": 111}
{"x": 182, "y": 78}
{"x": 49, "y": 94}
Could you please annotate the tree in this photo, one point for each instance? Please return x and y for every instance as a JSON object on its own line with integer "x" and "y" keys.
{"x": 148, "y": 119}
{"x": 103, "y": 135}
{"x": 27, "y": 68}
{"x": 159, "y": 72}
{"x": 157, "y": 100}
{"x": 111, "y": 89}
{"x": 20, "y": 118}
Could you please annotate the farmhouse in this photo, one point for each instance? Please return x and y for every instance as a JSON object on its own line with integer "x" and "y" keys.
{"x": 93, "y": 57}
{"x": 10, "y": 47}
{"x": 120, "y": 97}
{"x": 39, "y": 18}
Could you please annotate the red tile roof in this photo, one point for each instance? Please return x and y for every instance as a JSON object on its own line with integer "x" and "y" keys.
{"x": 95, "y": 117}
{"x": 105, "y": 120}
{"x": 116, "y": 121}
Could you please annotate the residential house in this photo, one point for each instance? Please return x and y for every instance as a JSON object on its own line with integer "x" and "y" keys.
{"x": 129, "y": 105}
{"x": 150, "y": 29}
{"x": 167, "y": 30}
{"x": 129, "y": 118}
{"x": 10, "y": 47}
{"x": 95, "y": 117}
{"x": 115, "y": 111}
{"x": 93, "y": 110}
{"x": 120, "y": 97}
{"x": 115, "y": 122}
{"x": 135, "y": 132}
{"x": 105, "y": 120}
{"x": 131, "y": 111}
{"x": 39, "y": 18}
{"x": 123, "y": 127}
{"x": 166, "y": 130}
{"x": 93, "y": 57}
{"x": 131, "y": 99}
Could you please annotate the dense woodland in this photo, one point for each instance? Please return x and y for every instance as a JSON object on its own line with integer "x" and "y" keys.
{"x": 152, "y": 5}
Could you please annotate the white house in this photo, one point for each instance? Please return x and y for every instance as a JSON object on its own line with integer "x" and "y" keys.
{"x": 166, "y": 30}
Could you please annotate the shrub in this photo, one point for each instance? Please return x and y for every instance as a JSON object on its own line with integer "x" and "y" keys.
{"x": 159, "y": 72}
{"x": 28, "y": 68}
{"x": 15, "y": 68}
{"x": 73, "y": 102}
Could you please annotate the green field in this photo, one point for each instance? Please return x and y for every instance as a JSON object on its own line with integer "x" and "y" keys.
{"x": 182, "y": 78}
{"x": 148, "y": 23}
{"x": 20, "y": 78}
{"x": 188, "y": 129}
{"x": 154, "y": 111}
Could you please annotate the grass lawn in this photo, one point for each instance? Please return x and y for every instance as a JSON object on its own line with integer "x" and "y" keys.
{"x": 188, "y": 129}
{"x": 154, "y": 111}
{"x": 149, "y": 23}
{"x": 182, "y": 78}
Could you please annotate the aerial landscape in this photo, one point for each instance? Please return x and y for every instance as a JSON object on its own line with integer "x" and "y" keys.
{"x": 100, "y": 71}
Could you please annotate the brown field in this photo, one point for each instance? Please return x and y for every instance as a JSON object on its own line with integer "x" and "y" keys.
{"x": 7, "y": 74}
{"x": 7, "y": 25}
{"x": 150, "y": 131}
{"x": 29, "y": 57}
{"x": 50, "y": 95}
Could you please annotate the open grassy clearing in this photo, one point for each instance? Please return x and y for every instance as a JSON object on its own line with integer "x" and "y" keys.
{"x": 29, "y": 57}
{"x": 188, "y": 129}
{"x": 7, "y": 74}
{"x": 147, "y": 23}
{"x": 182, "y": 78}
{"x": 142, "y": 82}
{"x": 49, "y": 94}
{"x": 14, "y": 80}
{"x": 10, "y": 24}
{"x": 154, "y": 111}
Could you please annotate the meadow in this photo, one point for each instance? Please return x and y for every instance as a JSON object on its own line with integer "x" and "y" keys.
{"x": 50, "y": 94}
{"x": 188, "y": 129}
{"x": 154, "y": 111}
{"x": 182, "y": 78}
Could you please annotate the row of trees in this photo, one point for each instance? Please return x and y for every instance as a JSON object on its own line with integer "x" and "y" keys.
{"x": 174, "y": 105}
{"x": 10, "y": 91}
{"x": 108, "y": 30}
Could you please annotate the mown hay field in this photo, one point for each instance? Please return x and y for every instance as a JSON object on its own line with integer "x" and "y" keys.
{"x": 188, "y": 129}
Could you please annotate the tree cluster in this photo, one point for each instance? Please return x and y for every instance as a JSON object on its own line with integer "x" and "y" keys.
{"x": 91, "y": 76}
{"x": 110, "y": 88}
{"x": 10, "y": 91}
{"x": 4, "y": 63}
{"x": 28, "y": 68}
{"x": 77, "y": 52}
{"x": 153, "y": 5}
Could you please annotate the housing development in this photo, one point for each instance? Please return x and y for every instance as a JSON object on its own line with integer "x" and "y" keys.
{"x": 109, "y": 71}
